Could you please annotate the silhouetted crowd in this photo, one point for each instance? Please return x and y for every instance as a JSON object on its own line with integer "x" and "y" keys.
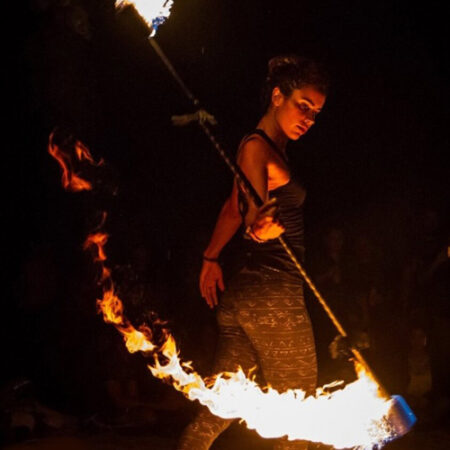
{"x": 394, "y": 303}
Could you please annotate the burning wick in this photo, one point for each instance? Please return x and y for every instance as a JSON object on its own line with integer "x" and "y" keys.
{"x": 154, "y": 12}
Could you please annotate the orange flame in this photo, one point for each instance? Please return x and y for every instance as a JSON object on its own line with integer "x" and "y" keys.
{"x": 98, "y": 241}
{"x": 70, "y": 180}
{"x": 111, "y": 306}
{"x": 355, "y": 416}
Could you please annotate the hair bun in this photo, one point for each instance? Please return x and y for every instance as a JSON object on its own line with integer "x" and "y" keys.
{"x": 289, "y": 72}
{"x": 280, "y": 62}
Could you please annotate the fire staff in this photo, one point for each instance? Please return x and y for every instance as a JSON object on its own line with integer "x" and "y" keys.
{"x": 262, "y": 316}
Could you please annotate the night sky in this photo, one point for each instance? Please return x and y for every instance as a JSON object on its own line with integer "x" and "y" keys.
{"x": 376, "y": 153}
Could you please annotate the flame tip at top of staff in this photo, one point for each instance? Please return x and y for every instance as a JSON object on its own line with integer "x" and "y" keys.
{"x": 154, "y": 12}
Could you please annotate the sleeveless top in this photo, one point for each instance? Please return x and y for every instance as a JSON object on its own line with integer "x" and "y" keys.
{"x": 270, "y": 257}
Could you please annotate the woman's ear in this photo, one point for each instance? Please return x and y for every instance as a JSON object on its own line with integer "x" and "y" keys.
{"x": 277, "y": 96}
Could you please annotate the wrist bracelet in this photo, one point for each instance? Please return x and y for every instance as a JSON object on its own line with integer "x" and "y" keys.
{"x": 210, "y": 259}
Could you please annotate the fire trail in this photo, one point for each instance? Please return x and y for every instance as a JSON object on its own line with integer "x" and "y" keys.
{"x": 355, "y": 415}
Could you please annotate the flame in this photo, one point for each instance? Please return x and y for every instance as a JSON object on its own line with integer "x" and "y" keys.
{"x": 154, "y": 12}
{"x": 70, "y": 180}
{"x": 353, "y": 416}
{"x": 111, "y": 306}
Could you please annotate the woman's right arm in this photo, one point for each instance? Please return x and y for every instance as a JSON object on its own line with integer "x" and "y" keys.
{"x": 227, "y": 224}
{"x": 252, "y": 160}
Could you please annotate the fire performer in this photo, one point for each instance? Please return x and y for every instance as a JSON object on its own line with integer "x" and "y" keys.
{"x": 262, "y": 316}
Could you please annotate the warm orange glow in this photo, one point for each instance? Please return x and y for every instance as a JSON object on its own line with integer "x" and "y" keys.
{"x": 98, "y": 241}
{"x": 70, "y": 180}
{"x": 83, "y": 153}
{"x": 110, "y": 304}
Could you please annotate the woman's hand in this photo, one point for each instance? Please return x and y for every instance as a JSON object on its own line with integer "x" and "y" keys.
{"x": 266, "y": 225}
{"x": 210, "y": 277}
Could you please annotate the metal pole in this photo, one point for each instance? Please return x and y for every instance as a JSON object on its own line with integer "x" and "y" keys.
{"x": 173, "y": 72}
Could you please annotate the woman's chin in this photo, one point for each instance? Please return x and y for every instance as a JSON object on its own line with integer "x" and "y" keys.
{"x": 295, "y": 135}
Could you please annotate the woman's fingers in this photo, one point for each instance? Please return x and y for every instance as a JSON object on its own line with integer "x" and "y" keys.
{"x": 278, "y": 227}
{"x": 267, "y": 228}
{"x": 205, "y": 280}
{"x": 211, "y": 292}
{"x": 221, "y": 284}
{"x": 205, "y": 292}
{"x": 202, "y": 284}
{"x": 210, "y": 279}
{"x": 208, "y": 299}
{"x": 269, "y": 207}
{"x": 211, "y": 295}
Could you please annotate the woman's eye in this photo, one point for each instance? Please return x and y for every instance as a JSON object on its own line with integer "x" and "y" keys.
{"x": 303, "y": 108}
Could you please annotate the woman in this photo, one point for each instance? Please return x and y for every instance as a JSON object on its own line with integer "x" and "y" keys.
{"x": 261, "y": 315}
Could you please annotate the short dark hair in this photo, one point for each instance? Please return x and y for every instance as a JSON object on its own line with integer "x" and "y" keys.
{"x": 290, "y": 72}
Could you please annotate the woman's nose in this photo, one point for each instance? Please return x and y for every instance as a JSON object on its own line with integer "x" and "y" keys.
{"x": 309, "y": 121}
{"x": 311, "y": 115}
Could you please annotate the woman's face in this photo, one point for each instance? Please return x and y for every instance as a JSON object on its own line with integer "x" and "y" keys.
{"x": 296, "y": 114}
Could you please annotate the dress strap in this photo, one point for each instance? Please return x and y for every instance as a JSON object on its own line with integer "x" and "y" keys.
{"x": 274, "y": 146}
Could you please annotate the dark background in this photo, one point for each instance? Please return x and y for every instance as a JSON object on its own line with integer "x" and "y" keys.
{"x": 375, "y": 156}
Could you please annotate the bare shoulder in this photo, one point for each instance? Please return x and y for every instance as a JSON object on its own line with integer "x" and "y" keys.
{"x": 254, "y": 150}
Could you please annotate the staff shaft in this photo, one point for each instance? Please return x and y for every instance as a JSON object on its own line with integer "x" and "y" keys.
{"x": 173, "y": 72}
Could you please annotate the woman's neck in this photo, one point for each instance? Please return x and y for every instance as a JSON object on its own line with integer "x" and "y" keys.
{"x": 270, "y": 126}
